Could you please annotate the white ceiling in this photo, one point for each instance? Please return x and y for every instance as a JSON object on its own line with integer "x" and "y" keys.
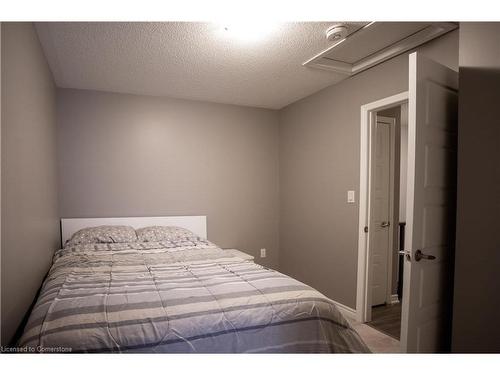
{"x": 188, "y": 60}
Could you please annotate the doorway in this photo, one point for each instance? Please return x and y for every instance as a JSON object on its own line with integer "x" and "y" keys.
{"x": 383, "y": 156}
{"x": 430, "y": 206}
{"x": 380, "y": 182}
{"x": 388, "y": 165}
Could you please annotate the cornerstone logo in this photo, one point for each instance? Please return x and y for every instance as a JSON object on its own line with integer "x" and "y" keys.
{"x": 35, "y": 349}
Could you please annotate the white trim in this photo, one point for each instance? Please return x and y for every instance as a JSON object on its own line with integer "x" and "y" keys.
{"x": 347, "y": 311}
{"x": 392, "y": 217}
{"x": 367, "y": 111}
{"x": 394, "y": 299}
{"x": 410, "y": 199}
{"x": 196, "y": 224}
{"x": 323, "y": 60}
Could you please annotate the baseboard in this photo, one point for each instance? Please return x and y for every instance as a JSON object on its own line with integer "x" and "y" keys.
{"x": 347, "y": 311}
{"x": 394, "y": 299}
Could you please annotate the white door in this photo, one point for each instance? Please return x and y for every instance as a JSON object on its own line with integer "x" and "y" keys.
{"x": 380, "y": 201}
{"x": 431, "y": 182}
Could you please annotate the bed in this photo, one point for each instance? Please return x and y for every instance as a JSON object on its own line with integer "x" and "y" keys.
{"x": 181, "y": 294}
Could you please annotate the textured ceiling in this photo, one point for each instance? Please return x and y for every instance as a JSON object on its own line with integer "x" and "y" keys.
{"x": 188, "y": 60}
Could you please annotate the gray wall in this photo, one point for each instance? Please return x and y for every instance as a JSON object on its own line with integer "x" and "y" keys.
{"x": 126, "y": 155}
{"x": 30, "y": 226}
{"x": 319, "y": 162}
{"x": 477, "y": 261}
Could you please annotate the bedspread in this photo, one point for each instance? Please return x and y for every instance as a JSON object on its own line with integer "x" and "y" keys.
{"x": 179, "y": 297}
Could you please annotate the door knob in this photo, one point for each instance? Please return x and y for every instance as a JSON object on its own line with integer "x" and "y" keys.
{"x": 420, "y": 255}
{"x": 385, "y": 224}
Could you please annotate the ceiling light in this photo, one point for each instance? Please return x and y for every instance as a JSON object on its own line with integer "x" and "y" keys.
{"x": 248, "y": 31}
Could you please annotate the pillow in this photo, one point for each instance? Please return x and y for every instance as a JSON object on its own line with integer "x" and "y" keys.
{"x": 103, "y": 234}
{"x": 159, "y": 233}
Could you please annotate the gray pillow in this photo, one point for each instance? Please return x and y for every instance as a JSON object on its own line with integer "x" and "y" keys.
{"x": 103, "y": 234}
{"x": 162, "y": 233}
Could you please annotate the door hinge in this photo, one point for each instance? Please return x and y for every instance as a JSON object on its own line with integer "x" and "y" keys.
{"x": 366, "y": 229}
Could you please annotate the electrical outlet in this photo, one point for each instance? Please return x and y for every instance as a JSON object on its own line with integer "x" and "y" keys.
{"x": 262, "y": 253}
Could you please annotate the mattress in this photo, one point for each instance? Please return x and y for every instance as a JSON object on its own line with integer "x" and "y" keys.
{"x": 180, "y": 296}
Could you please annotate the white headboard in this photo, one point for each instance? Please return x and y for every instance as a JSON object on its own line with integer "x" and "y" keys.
{"x": 196, "y": 224}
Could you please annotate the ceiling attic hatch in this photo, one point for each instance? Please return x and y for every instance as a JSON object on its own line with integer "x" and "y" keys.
{"x": 375, "y": 42}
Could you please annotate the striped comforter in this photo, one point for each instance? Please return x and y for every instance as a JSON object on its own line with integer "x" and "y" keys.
{"x": 177, "y": 297}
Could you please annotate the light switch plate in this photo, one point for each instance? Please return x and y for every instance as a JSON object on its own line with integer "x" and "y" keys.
{"x": 262, "y": 253}
{"x": 351, "y": 196}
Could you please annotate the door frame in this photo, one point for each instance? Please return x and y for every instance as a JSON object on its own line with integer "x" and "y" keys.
{"x": 363, "y": 310}
{"x": 392, "y": 216}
